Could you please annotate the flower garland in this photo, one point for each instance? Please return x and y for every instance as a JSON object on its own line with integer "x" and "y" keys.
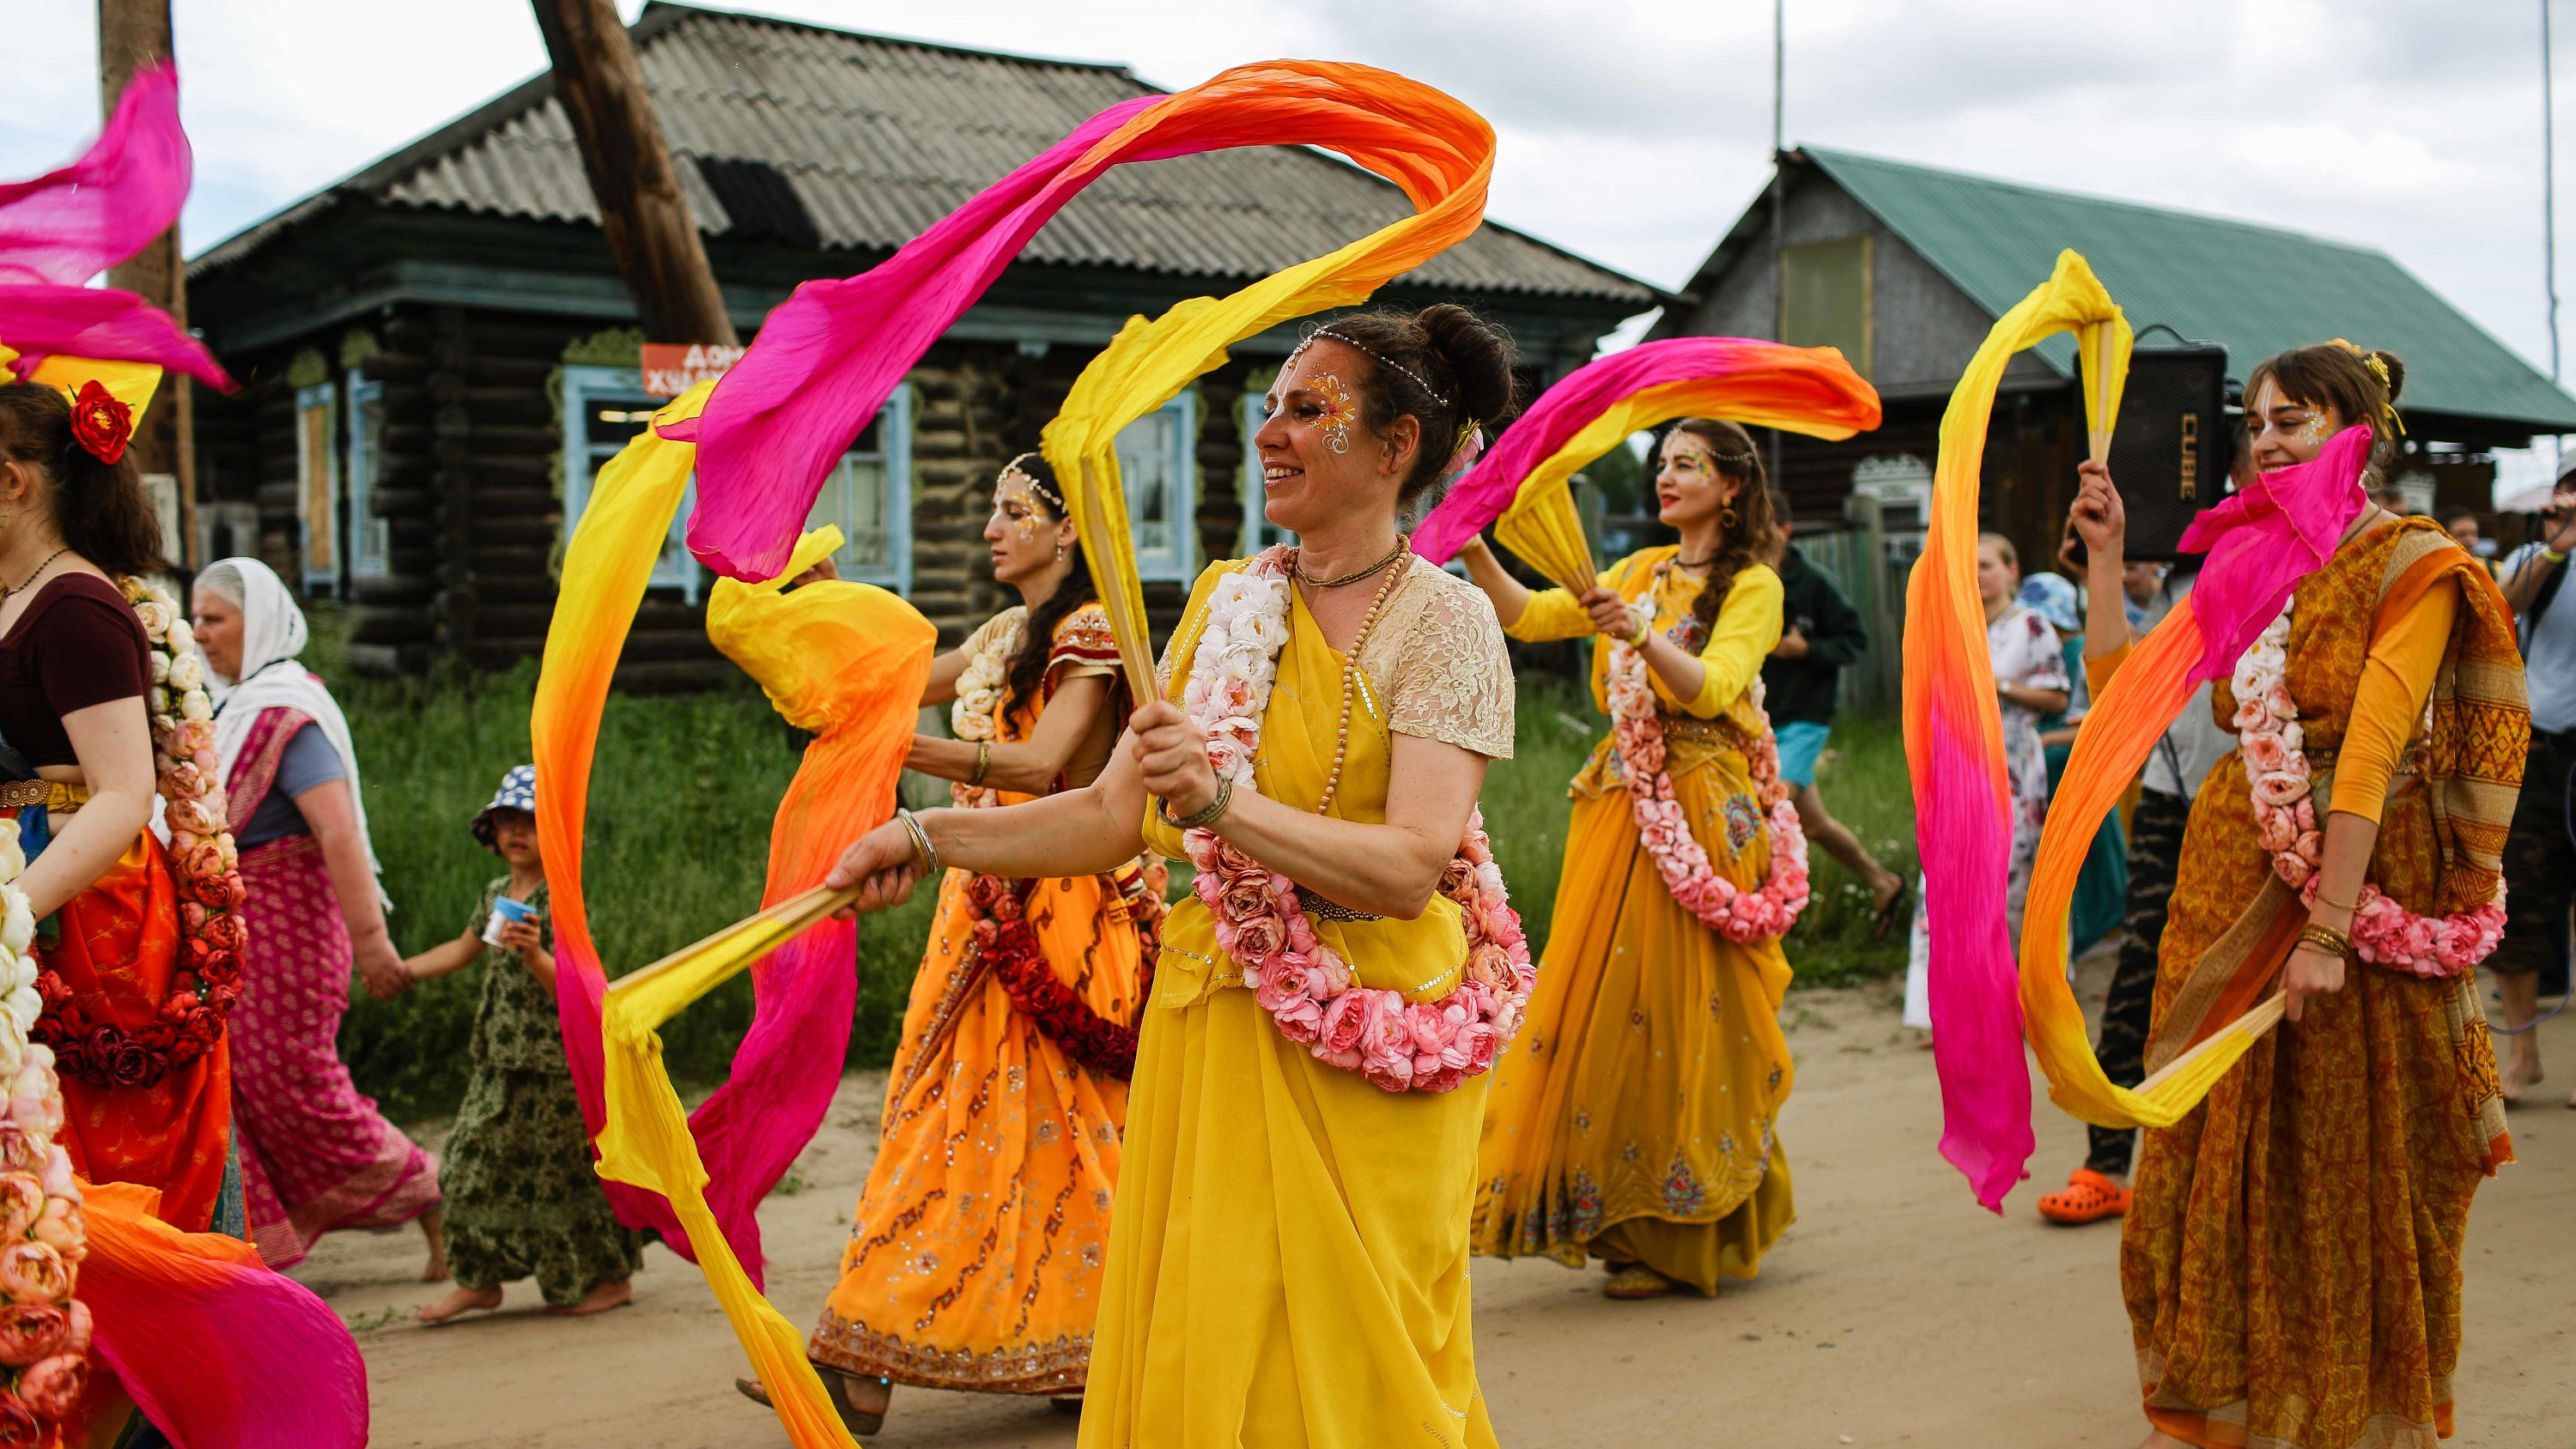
{"x": 203, "y": 865}
{"x": 1664, "y": 827}
{"x": 976, "y": 716}
{"x": 2276, "y": 767}
{"x": 1008, "y": 942}
{"x": 44, "y": 1331}
{"x": 1003, "y": 934}
{"x": 1306, "y": 986}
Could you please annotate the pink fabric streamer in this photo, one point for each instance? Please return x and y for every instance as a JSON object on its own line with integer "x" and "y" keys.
{"x": 217, "y": 1349}
{"x": 59, "y": 230}
{"x": 1804, "y": 387}
{"x": 2264, "y": 540}
{"x": 67, "y": 226}
{"x": 829, "y": 356}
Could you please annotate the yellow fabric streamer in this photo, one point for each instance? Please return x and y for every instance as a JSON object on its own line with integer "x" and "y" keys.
{"x": 131, "y": 383}
{"x": 1151, "y": 361}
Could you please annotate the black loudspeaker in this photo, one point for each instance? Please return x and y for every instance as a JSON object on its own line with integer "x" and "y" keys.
{"x": 2171, "y": 448}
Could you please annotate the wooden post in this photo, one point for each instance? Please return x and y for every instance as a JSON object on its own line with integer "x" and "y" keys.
{"x": 132, "y": 33}
{"x": 641, "y": 206}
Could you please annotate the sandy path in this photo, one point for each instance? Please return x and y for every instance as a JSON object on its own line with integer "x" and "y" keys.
{"x": 1896, "y": 1312}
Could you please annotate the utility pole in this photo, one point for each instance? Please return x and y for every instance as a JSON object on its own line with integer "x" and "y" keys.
{"x": 2549, "y": 213}
{"x": 1780, "y": 186}
{"x": 132, "y": 33}
{"x": 641, "y": 206}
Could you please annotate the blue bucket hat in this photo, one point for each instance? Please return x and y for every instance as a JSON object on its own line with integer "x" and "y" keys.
{"x": 518, "y": 792}
{"x": 2051, "y": 597}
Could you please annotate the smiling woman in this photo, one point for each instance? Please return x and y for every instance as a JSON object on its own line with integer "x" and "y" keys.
{"x": 1320, "y": 759}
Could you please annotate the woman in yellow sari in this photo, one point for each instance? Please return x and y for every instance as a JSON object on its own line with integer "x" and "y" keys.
{"x": 2292, "y": 1258}
{"x": 1636, "y": 1121}
{"x": 1288, "y": 1255}
{"x": 975, "y": 1249}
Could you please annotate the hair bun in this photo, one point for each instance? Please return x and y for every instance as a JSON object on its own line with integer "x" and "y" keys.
{"x": 2396, "y": 372}
{"x": 1479, "y": 355}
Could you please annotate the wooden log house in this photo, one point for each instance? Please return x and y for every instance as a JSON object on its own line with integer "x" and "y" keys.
{"x": 438, "y": 353}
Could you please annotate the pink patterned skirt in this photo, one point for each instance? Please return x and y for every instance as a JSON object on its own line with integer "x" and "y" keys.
{"x": 315, "y": 1155}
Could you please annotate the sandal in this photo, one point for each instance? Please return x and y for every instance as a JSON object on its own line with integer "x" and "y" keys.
{"x": 2088, "y": 1197}
{"x": 836, "y": 1389}
{"x": 1894, "y": 911}
{"x": 1637, "y": 1281}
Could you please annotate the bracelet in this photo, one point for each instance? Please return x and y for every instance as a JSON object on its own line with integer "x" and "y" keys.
{"x": 2337, "y": 905}
{"x": 1206, "y": 815}
{"x": 1645, "y": 631}
{"x": 2333, "y": 940}
{"x": 2556, "y": 556}
{"x": 923, "y": 851}
{"x": 983, "y": 763}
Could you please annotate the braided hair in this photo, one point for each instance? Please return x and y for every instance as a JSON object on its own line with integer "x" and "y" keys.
{"x": 1445, "y": 367}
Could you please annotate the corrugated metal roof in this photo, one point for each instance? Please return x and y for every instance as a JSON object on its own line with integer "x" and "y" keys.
{"x": 879, "y": 138}
{"x": 2256, "y": 289}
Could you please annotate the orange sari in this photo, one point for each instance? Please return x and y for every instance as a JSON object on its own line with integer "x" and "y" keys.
{"x": 976, "y": 1246}
{"x": 117, "y": 950}
{"x": 2292, "y": 1262}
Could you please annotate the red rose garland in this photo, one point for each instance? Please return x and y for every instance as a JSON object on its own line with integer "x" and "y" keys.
{"x": 1008, "y": 942}
{"x": 203, "y": 865}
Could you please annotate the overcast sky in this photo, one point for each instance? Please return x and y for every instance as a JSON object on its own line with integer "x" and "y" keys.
{"x": 1633, "y": 131}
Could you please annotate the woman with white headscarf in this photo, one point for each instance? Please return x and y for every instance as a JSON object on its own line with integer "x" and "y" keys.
{"x": 315, "y": 1155}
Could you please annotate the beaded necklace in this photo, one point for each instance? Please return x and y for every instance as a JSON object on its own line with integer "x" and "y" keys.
{"x": 1351, "y": 661}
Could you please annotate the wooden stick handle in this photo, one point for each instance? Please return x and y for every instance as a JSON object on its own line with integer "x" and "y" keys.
{"x": 2097, "y": 441}
{"x": 1135, "y": 644}
{"x": 784, "y": 920}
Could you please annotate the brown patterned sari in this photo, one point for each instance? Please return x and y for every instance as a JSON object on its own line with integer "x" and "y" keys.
{"x": 2292, "y": 1260}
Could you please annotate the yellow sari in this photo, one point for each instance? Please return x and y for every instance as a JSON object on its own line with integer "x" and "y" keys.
{"x": 1288, "y": 1256}
{"x": 1634, "y": 1120}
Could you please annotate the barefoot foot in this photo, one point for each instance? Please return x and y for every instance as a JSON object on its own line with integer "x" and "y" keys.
{"x": 463, "y": 1300}
{"x": 433, "y": 1226}
{"x": 599, "y": 1300}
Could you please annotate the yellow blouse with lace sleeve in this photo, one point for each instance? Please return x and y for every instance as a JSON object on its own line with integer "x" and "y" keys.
{"x": 1747, "y": 628}
{"x": 2396, "y": 680}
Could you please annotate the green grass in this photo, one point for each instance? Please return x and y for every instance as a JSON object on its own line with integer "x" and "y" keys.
{"x": 680, "y": 806}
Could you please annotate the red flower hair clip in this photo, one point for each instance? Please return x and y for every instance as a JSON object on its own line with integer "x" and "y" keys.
{"x": 101, "y": 423}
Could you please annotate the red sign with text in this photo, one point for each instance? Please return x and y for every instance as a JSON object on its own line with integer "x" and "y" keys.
{"x": 672, "y": 368}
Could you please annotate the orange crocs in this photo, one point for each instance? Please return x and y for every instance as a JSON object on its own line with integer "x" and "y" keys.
{"x": 2089, "y": 1197}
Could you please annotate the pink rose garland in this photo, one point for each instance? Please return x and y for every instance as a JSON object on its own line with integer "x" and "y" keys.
{"x": 1664, "y": 828}
{"x": 1305, "y": 985}
{"x": 2273, "y": 745}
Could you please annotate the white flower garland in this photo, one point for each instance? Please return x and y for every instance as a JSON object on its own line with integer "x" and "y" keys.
{"x": 2274, "y": 747}
{"x": 44, "y": 1331}
{"x": 1305, "y": 985}
{"x": 976, "y": 716}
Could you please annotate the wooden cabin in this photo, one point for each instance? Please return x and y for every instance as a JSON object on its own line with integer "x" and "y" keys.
{"x": 438, "y": 352}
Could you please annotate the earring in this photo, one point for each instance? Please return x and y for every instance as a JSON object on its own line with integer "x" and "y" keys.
{"x": 1726, "y": 518}
{"x": 1059, "y": 552}
{"x": 4, "y": 520}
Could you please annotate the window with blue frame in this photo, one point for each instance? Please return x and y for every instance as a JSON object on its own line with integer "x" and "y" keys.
{"x": 370, "y": 537}
{"x": 317, "y": 486}
{"x": 869, "y": 493}
{"x": 1158, "y": 464}
{"x": 1258, "y": 531}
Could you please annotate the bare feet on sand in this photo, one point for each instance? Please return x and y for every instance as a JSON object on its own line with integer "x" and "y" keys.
{"x": 599, "y": 1300}
{"x": 463, "y": 1300}
{"x": 2521, "y": 1073}
{"x": 433, "y": 1226}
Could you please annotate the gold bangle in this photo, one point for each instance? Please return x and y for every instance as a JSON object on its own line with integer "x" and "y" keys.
{"x": 2328, "y": 937}
{"x": 1206, "y": 815}
{"x": 2337, "y": 905}
{"x": 1645, "y": 631}
{"x": 983, "y": 763}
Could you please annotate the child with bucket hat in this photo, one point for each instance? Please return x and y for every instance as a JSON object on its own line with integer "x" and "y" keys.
{"x": 522, "y": 1200}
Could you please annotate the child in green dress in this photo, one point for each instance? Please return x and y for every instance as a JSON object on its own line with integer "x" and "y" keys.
{"x": 522, "y": 1199}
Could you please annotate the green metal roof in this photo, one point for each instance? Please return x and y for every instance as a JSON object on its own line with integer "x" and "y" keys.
{"x": 2255, "y": 289}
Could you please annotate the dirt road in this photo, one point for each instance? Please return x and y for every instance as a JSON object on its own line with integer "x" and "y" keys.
{"x": 1896, "y": 1312}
